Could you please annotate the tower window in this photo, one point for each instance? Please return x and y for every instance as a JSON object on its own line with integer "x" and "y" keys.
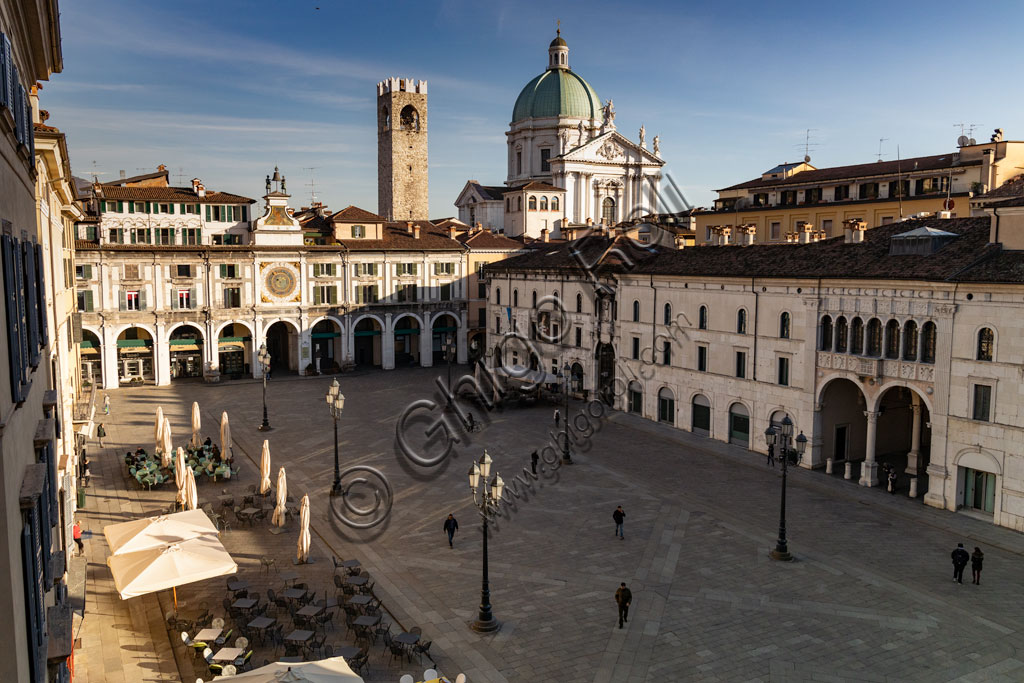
{"x": 519, "y": 163}
{"x": 545, "y": 160}
{"x": 409, "y": 118}
{"x": 608, "y": 211}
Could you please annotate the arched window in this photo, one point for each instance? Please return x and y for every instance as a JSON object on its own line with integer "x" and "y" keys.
{"x": 508, "y": 204}
{"x": 857, "y": 336}
{"x": 668, "y": 314}
{"x": 986, "y": 343}
{"x": 533, "y": 301}
{"x": 519, "y": 203}
{"x": 608, "y": 211}
{"x": 385, "y": 117}
{"x": 702, "y": 317}
{"x": 409, "y": 118}
{"x": 666, "y": 406}
{"x": 842, "y": 334}
{"x": 579, "y": 303}
{"x": 636, "y": 311}
{"x": 739, "y": 425}
{"x": 826, "y": 333}
{"x": 928, "y": 342}
{"x": 892, "y": 339}
{"x": 874, "y": 338}
{"x": 497, "y": 295}
{"x": 910, "y": 340}
{"x": 543, "y": 203}
{"x": 554, "y": 203}
{"x": 531, "y": 203}
{"x": 784, "y": 325}
{"x": 515, "y": 297}
{"x": 636, "y": 398}
{"x": 741, "y": 321}
{"x": 700, "y": 420}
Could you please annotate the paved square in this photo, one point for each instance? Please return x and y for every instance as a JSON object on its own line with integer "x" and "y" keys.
{"x": 869, "y": 597}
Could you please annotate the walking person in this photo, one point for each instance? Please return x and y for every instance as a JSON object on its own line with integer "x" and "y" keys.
{"x": 960, "y": 558}
{"x": 533, "y": 461}
{"x": 101, "y": 433}
{"x": 771, "y": 456}
{"x": 620, "y": 518}
{"x": 977, "y": 558}
{"x": 451, "y": 525}
{"x": 892, "y": 480}
{"x": 623, "y": 597}
{"x": 106, "y": 404}
{"x": 76, "y": 533}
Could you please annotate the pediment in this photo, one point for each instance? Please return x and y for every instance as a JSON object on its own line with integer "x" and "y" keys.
{"x": 612, "y": 147}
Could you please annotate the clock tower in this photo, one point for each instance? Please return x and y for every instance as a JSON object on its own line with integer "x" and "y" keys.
{"x": 277, "y": 227}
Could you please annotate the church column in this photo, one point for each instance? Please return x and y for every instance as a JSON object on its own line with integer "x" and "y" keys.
{"x": 620, "y": 214}
{"x": 869, "y": 468}
{"x": 627, "y": 193}
{"x": 577, "y": 199}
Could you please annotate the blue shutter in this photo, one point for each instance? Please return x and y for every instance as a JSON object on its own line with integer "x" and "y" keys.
{"x": 41, "y": 294}
{"x": 19, "y": 291}
{"x": 14, "y": 362}
{"x": 28, "y": 258}
{"x": 5, "y": 70}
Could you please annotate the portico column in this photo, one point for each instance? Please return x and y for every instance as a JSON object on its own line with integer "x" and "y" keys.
{"x": 426, "y": 342}
{"x": 387, "y": 346}
{"x": 110, "y": 357}
{"x": 915, "y": 445}
{"x": 161, "y": 356}
{"x": 461, "y": 353}
{"x": 869, "y": 470}
{"x": 258, "y": 338}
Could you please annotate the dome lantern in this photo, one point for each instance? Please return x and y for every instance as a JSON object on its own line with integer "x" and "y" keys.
{"x": 558, "y": 52}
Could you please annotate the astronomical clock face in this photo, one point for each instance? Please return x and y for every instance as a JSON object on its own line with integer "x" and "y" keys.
{"x": 280, "y": 282}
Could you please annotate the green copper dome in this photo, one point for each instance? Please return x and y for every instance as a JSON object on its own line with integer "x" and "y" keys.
{"x": 557, "y": 92}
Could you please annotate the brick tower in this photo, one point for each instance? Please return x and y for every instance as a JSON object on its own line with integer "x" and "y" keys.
{"x": 402, "y": 191}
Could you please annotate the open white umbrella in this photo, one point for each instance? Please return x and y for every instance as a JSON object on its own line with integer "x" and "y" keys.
{"x": 196, "y": 425}
{"x": 156, "y": 532}
{"x": 170, "y": 566}
{"x": 330, "y": 670}
{"x": 225, "y": 436}
{"x": 158, "y": 428}
{"x": 278, "y": 518}
{"x": 304, "y": 538}
{"x": 179, "y": 474}
{"x": 191, "y": 496}
{"x": 167, "y": 448}
{"x": 265, "y": 468}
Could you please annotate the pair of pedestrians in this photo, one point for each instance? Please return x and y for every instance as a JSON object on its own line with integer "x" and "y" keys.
{"x": 961, "y": 557}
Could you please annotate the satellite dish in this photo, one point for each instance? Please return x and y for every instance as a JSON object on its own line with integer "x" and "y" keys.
{"x": 973, "y": 141}
{"x": 963, "y": 141}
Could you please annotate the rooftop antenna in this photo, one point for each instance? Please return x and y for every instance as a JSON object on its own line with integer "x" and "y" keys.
{"x": 808, "y": 145}
{"x": 180, "y": 175}
{"x": 880, "y": 141}
{"x": 96, "y": 173}
{"x": 311, "y": 184}
{"x": 899, "y": 180}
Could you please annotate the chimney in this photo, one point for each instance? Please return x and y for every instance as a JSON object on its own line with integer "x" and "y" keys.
{"x": 590, "y": 222}
{"x": 543, "y": 234}
{"x": 415, "y": 231}
{"x": 747, "y": 233}
{"x": 791, "y": 238}
{"x": 680, "y": 241}
{"x": 804, "y": 230}
{"x": 987, "y": 169}
{"x": 123, "y": 176}
{"x": 451, "y": 232}
{"x": 725, "y": 235}
{"x": 853, "y": 231}
{"x": 161, "y": 168}
{"x": 408, "y": 227}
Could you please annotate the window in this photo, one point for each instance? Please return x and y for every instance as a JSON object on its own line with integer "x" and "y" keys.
{"x": 85, "y": 300}
{"x": 986, "y": 342}
{"x": 666, "y": 406}
{"x": 545, "y": 163}
{"x": 636, "y": 348}
{"x": 739, "y": 425}
{"x": 166, "y": 208}
{"x": 857, "y": 336}
{"x": 183, "y": 270}
{"x": 982, "y": 409}
{"x": 636, "y": 398}
{"x": 83, "y": 272}
{"x": 508, "y": 204}
{"x": 519, "y": 203}
{"x": 515, "y": 297}
{"x": 636, "y": 311}
{"x": 323, "y": 270}
{"x": 579, "y": 303}
{"x": 165, "y": 236}
{"x": 741, "y": 321}
{"x": 826, "y": 333}
{"x": 666, "y": 353}
{"x": 874, "y": 338}
{"x": 543, "y": 203}
{"x": 407, "y": 268}
{"x": 783, "y": 371}
{"x": 899, "y": 189}
{"x": 842, "y": 192}
{"x": 787, "y": 197}
{"x": 812, "y": 195}
{"x": 741, "y": 364}
{"x": 928, "y": 342}
{"x": 519, "y": 169}
{"x": 481, "y": 290}
{"x": 531, "y": 203}
{"x": 130, "y": 271}
{"x": 232, "y": 297}
{"x": 191, "y": 208}
{"x": 113, "y": 207}
{"x": 366, "y": 294}
{"x": 826, "y": 225}
{"x": 497, "y": 324}
{"x": 701, "y": 416}
{"x": 579, "y": 336}
{"x": 868, "y": 191}
{"x": 409, "y": 118}
{"x": 775, "y": 231}
{"x": 191, "y": 235}
{"x": 702, "y": 358}
{"x": 497, "y": 295}
{"x": 364, "y": 269}
{"x": 409, "y": 293}
{"x": 702, "y": 317}
{"x": 358, "y": 231}
{"x": 138, "y": 235}
{"x": 325, "y": 295}
{"x": 910, "y": 340}
{"x": 535, "y": 298}
{"x": 886, "y": 220}
{"x": 608, "y": 211}
{"x": 445, "y": 291}
{"x": 842, "y": 334}
{"x": 784, "y": 326}
{"x": 443, "y": 268}
{"x": 892, "y": 339}
{"x": 132, "y": 301}
{"x": 554, "y": 203}
{"x": 184, "y": 298}
{"x": 930, "y": 185}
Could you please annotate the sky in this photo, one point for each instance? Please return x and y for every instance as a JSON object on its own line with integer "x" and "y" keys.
{"x": 226, "y": 90}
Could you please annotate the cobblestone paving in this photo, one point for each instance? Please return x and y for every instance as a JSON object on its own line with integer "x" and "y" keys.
{"x": 869, "y": 596}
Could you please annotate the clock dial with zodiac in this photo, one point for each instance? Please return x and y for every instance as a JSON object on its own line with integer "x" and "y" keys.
{"x": 280, "y": 282}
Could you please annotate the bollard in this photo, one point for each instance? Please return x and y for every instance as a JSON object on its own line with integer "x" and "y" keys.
{"x": 848, "y": 474}
{"x": 828, "y": 465}
{"x": 81, "y": 498}
{"x": 913, "y": 487}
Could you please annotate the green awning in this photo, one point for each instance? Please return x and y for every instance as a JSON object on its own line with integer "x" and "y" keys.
{"x": 234, "y": 339}
{"x": 131, "y": 343}
{"x": 326, "y": 335}
{"x": 87, "y": 344}
{"x": 406, "y": 331}
{"x": 445, "y": 329}
{"x": 367, "y": 333}
{"x": 184, "y": 342}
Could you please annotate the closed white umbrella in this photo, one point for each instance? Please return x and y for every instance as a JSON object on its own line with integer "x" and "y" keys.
{"x": 169, "y": 566}
{"x": 330, "y": 670}
{"x": 156, "y": 532}
{"x": 196, "y": 425}
{"x": 265, "y": 468}
{"x": 278, "y": 518}
{"x": 304, "y": 538}
{"x": 225, "y": 436}
{"x": 179, "y": 474}
{"x": 158, "y": 428}
{"x": 191, "y": 496}
{"x": 168, "y": 447}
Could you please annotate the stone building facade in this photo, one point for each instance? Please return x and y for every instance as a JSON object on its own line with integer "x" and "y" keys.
{"x": 402, "y": 163}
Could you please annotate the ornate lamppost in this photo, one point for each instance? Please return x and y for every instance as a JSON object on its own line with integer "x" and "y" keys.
{"x": 566, "y": 454}
{"x": 263, "y": 358}
{"x": 488, "y": 503}
{"x": 336, "y": 404}
{"x": 449, "y": 354}
{"x": 783, "y": 435}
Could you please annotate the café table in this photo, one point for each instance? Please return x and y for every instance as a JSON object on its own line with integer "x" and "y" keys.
{"x": 367, "y": 620}
{"x": 244, "y": 603}
{"x": 407, "y": 638}
{"x": 359, "y": 600}
{"x": 235, "y": 585}
{"x": 309, "y": 611}
{"x": 347, "y": 651}
{"x": 356, "y": 580}
{"x": 260, "y": 623}
{"x": 351, "y": 565}
{"x": 298, "y": 636}
{"x": 294, "y": 593}
{"x": 208, "y": 635}
{"x": 248, "y": 513}
{"x": 288, "y": 576}
{"x": 227, "y": 654}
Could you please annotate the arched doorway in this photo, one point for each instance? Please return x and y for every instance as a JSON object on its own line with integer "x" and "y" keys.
{"x": 367, "y": 343}
{"x": 444, "y": 329}
{"x": 186, "y": 352}
{"x": 476, "y": 345}
{"x": 498, "y": 360}
{"x": 608, "y": 211}
{"x": 606, "y": 372}
{"x": 576, "y": 378}
{"x": 635, "y": 398}
{"x": 902, "y": 413}
{"x": 700, "y": 420}
{"x": 739, "y": 425}
{"x": 407, "y": 341}
{"x": 92, "y": 358}
{"x": 843, "y": 425}
{"x": 666, "y": 406}
{"x": 282, "y": 345}
{"x": 326, "y": 337}
{"x": 135, "y": 356}
{"x": 234, "y": 351}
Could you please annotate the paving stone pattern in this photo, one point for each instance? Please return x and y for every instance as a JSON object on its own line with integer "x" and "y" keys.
{"x": 869, "y": 596}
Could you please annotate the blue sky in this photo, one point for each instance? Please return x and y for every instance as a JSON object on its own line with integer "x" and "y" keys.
{"x": 225, "y": 90}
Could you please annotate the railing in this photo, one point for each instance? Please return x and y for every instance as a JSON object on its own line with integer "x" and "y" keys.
{"x": 85, "y": 403}
{"x": 877, "y": 367}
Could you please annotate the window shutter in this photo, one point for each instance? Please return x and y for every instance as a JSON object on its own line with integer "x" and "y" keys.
{"x": 131, "y": 207}
{"x": 28, "y": 257}
{"x": 192, "y": 297}
{"x": 88, "y": 301}
{"x": 245, "y": 213}
{"x": 142, "y": 299}
{"x": 171, "y": 207}
{"x": 5, "y": 52}
{"x": 182, "y": 207}
{"x": 208, "y": 213}
{"x": 223, "y": 270}
{"x": 122, "y": 300}
{"x": 174, "y": 298}
{"x": 374, "y": 294}
{"x": 13, "y": 329}
{"x": 316, "y": 295}
{"x": 333, "y": 294}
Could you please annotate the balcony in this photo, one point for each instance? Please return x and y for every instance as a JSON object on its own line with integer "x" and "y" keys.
{"x": 877, "y": 367}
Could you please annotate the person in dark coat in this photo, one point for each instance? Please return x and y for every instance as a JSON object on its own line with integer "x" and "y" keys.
{"x": 101, "y": 434}
{"x": 960, "y": 558}
{"x": 451, "y": 525}
{"x": 892, "y": 480}
{"x": 977, "y": 558}
{"x": 533, "y": 461}
{"x": 620, "y": 518}
{"x": 623, "y": 597}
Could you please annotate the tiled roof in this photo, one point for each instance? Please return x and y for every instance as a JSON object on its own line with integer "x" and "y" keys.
{"x": 1014, "y": 187}
{"x": 487, "y": 240}
{"x": 396, "y": 236}
{"x": 494, "y": 192}
{"x": 352, "y": 214}
{"x": 878, "y": 168}
{"x": 598, "y": 253}
{"x": 183, "y": 195}
{"x": 535, "y": 185}
{"x": 139, "y": 178}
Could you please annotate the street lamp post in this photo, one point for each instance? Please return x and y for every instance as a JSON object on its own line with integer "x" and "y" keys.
{"x": 263, "y": 357}
{"x": 488, "y": 503}
{"x": 566, "y": 454}
{"x": 783, "y": 435}
{"x": 336, "y": 404}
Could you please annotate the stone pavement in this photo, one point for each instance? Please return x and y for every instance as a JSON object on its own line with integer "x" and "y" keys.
{"x": 869, "y": 596}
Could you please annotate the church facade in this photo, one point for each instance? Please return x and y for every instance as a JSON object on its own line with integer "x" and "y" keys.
{"x": 563, "y": 137}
